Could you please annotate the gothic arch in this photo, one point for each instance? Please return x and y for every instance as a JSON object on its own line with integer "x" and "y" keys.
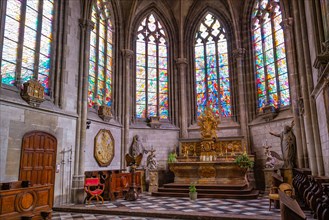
{"x": 166, "y": 17}
{"x": 192, "y": 22}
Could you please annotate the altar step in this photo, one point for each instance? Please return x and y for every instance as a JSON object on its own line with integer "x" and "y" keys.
{"x": 208, "y": 191}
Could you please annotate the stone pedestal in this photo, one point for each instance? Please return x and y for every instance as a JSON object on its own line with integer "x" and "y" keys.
{"x": 287, "y": 175}
{"x": 268, "y": 178}
{"x": 153, "y": 186}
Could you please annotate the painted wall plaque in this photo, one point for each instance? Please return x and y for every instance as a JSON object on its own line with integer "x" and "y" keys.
{"x": 104, "y": 148}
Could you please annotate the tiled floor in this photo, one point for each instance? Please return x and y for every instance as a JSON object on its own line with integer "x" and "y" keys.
{"x": 167, "y": 207}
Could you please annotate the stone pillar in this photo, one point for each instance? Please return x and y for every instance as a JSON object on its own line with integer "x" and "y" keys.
{"x": 310, "y": 86}
{"x": 181, "y": 65}
{"x": 82, "y": 107}
{"x": 127, "y": 55}
{"x": 239, "y": 55}
{"x": 305, "y": 93}
{"x": 294, "y": 88}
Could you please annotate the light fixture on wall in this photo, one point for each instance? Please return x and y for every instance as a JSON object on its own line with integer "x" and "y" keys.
{"x": 88, "y": 124}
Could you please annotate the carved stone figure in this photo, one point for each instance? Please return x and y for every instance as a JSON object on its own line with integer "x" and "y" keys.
{"x": 270, "y": 160}
{"x": 151, "y": 161}
{"x": 288, "y": 146}
{"x": 137, "y": 147}
{"x": 104, "y": 147}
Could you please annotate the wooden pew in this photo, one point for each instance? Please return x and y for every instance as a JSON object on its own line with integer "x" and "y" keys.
{"x": 17, "y": 202}
{"x": 289, "y": 208}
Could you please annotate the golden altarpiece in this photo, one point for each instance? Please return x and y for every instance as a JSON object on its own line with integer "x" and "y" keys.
{"x": 210, "y": 160}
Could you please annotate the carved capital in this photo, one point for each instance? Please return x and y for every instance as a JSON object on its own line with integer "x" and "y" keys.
{"x": 127, "y": 54}
{"x": 287, "y": 23}
{"x": 181, "y": 61}
{"x": 86, "y": 24}
{"x": 239, "y": 53}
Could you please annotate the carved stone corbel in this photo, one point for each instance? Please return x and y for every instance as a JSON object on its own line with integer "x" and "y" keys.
{"x": 105, "y": 113}
{"x": 33, "y": 92}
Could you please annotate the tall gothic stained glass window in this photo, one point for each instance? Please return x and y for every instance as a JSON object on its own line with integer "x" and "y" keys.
{"x": 27, "y": 42}
{"x": 269, "y": 55}
{"x": 151, "y": 69}
{"x": 100, "y": 60}
{"x": 211, "y": 67}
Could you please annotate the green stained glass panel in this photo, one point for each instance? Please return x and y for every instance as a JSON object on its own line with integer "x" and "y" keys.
{"x": 211, "y": 61}
{"x": 152, "y": 98}
{"x": 101, "y": 73}
{"x": 282, "y": 66}
{"x": 140, "y": 97}
{"x": 92, "y": 69}
{"x": 8, "y": 72}
{"x": 269, "y": 57}
{"x": 284, "y": 97}
{"x": 259, "y": 59}
{"x": 163, "y": 75}
{"x": 26, "y": 74}
{"x": 280, "y": 52}
{"x": 152, "y": 73}
{"x": 212, "y": 74}
{"x": 152, "y": 86}
{"x": 223, "y": 59}
{"x": 163, "y": 87}
{"x": 140, "y": 111}
{"x": 140, "y": 59}
{"x": 283, "y": 82}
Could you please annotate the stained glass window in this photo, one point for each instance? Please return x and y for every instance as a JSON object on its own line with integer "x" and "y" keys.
{"x": 30, "y": 24}
{"x": 211, "y": 67}
{"x": 270, "y": 55}
{"x": 151, "y": 69}
{"x": 100, "y": 60}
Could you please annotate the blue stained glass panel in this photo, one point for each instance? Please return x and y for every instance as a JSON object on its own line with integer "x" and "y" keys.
{"x": 8, "y": 72}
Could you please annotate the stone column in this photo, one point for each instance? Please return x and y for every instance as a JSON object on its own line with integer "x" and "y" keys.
{"x": 294, "y": 88}
{"x": 82, "y": 108}
{"x": 127, "y": 55}
{"x": 181, "y": 65}
{"x": 310, "y": 85}
{"x": 304, "y": 89}
{"x": 239, "y": 55}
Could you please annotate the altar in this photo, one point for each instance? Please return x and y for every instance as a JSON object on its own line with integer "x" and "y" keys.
{"x": 211, "y": 164}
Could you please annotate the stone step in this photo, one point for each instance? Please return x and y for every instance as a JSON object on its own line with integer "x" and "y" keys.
{"x": 207, "y": 190}
{"x": 252, "y": 195}
{"x": 207, "y": 186}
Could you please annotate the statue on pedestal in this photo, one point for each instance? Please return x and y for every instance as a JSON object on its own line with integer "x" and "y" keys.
{"x": 288, "y": 146}
{"x": 151, "y": 160}
{"x": 137, "y": 147}
{"x": 208, "y": 123}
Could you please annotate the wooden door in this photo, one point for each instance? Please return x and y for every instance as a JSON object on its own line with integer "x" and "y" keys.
{"x": 38, "y": 158}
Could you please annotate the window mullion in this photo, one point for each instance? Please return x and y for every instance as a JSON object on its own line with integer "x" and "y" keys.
{"x": 20, "y": 44}
{"x": 146, "y": 76}
{"x": 205, "y": 68}
{"x": 157, "y": 74}
{"x": 105, "y": 60}
{"x": 278, "y": 92}
{"x": 97, "y": 56}
{"x": 3, "y": 7}
{"x": 38, "y": 42}
{"x": 264, "y": 58}
{"x": 218, "y": 75}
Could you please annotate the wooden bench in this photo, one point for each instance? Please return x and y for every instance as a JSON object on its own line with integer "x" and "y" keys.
{"x": 289, "y": 208}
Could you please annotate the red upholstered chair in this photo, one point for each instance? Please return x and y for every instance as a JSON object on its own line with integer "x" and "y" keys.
{"x": 94, "y": 189}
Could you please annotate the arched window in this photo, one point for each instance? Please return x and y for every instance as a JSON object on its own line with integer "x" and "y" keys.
{"x": 27, "y": 42}
{"x": 211, "y": 67}
{"x": 151, "y": 69}
{"x": 100, "y": 60}
{"x": 269, "y": 55}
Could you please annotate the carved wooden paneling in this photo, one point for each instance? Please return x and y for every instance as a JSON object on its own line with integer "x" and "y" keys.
{"x": 38, "y": 158}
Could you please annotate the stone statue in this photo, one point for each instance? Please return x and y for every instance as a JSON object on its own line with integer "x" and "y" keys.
{"x": 137, "y": 147}
{"x": 288, "y": 146}
{"x": 151, "y": 161}
{"x": 270, "y": 160}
